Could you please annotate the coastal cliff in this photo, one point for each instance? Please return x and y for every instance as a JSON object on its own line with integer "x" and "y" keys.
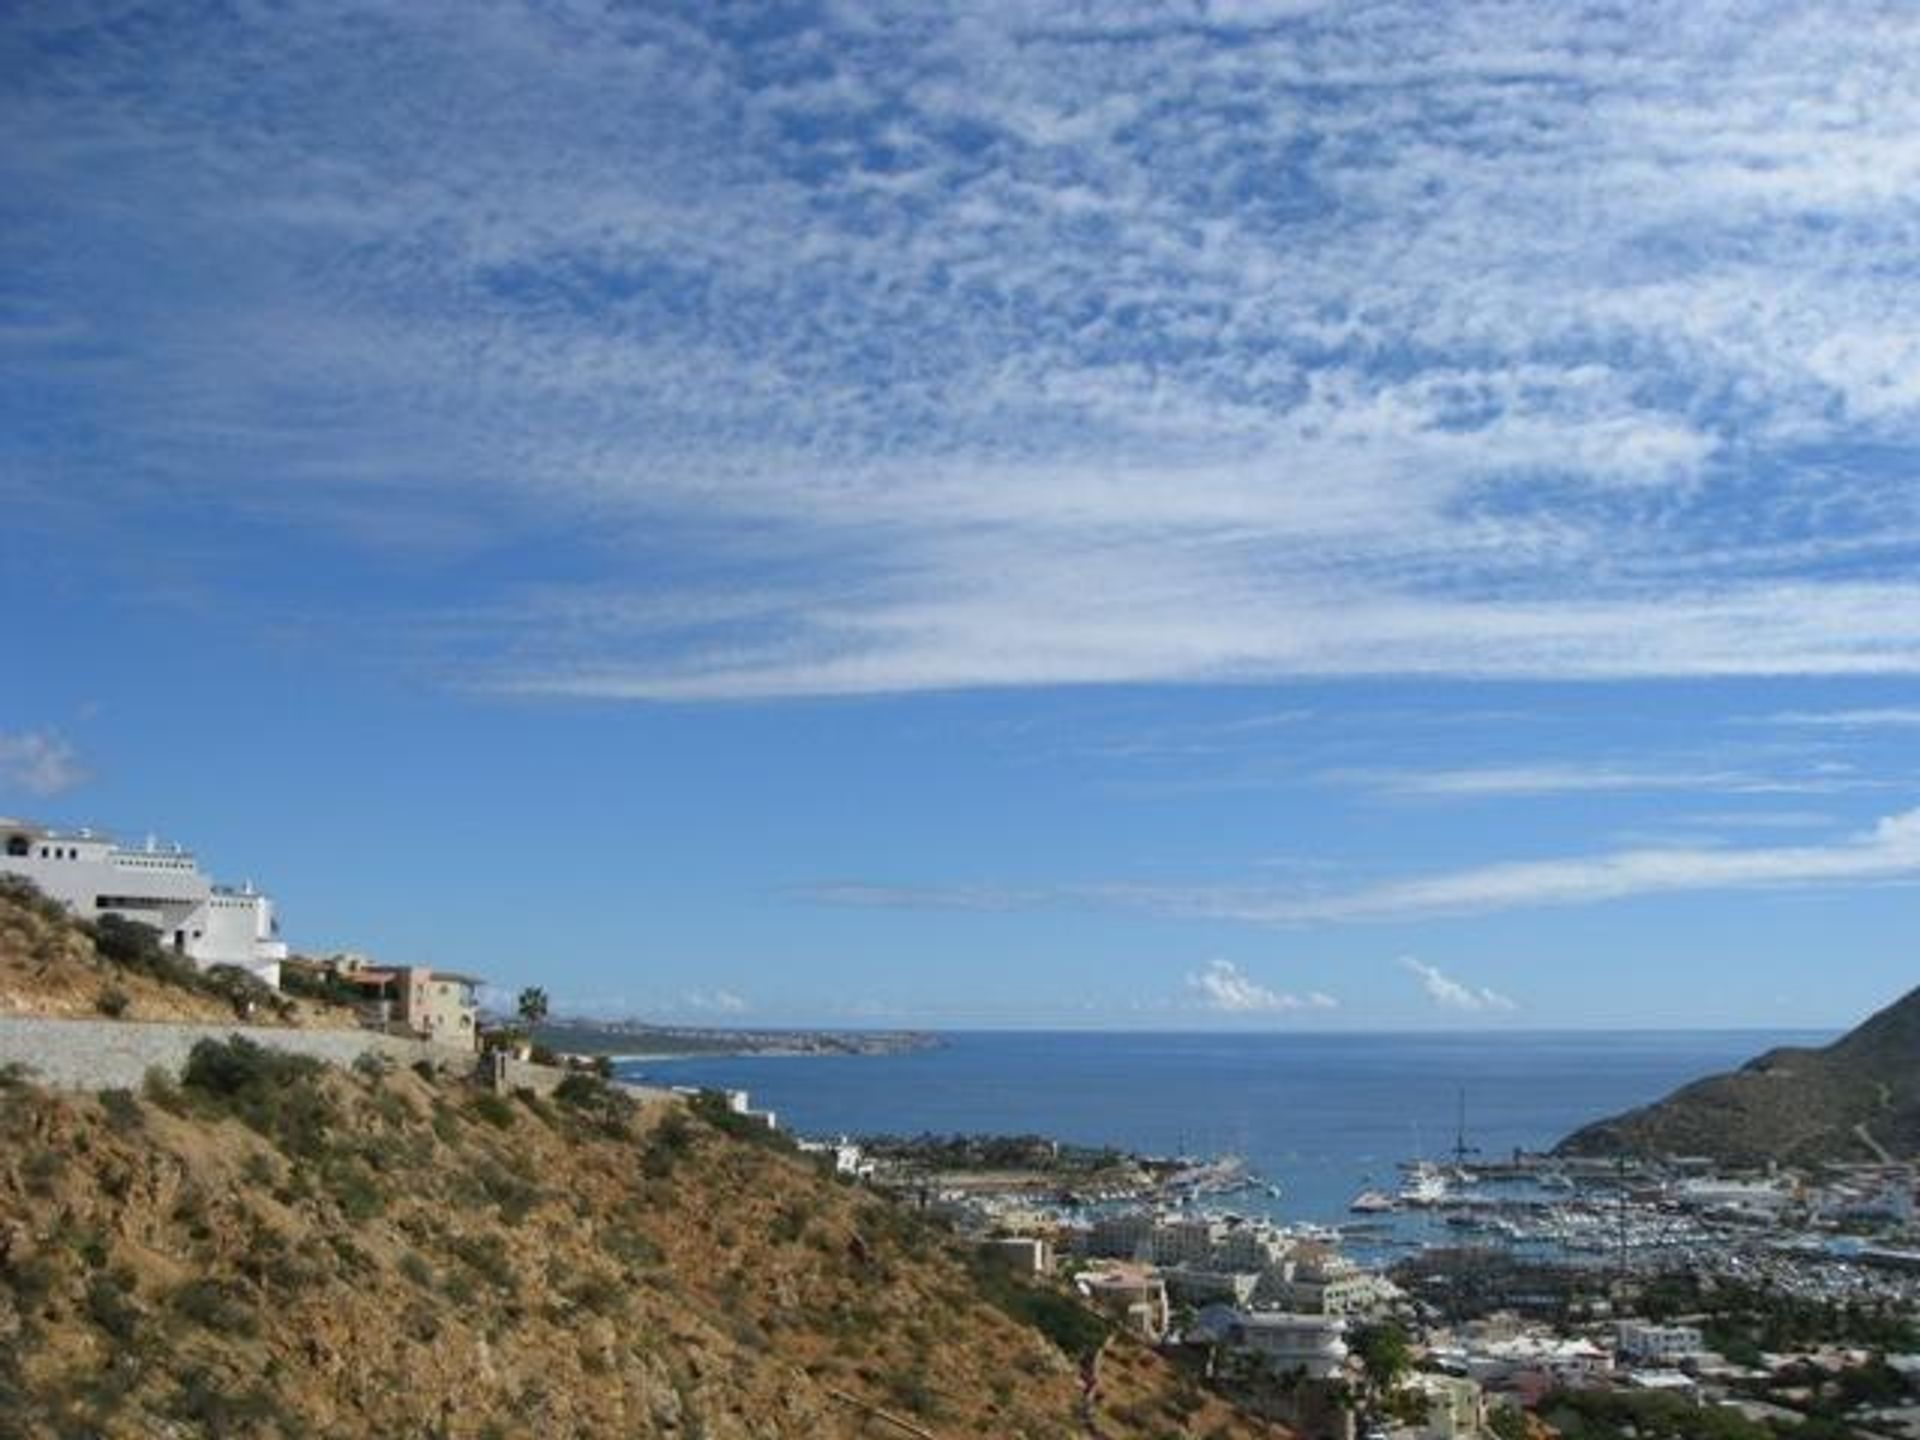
{"x": 1856, "y": 1099}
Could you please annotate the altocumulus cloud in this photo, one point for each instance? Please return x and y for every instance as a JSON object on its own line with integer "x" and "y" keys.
{"x": 1220, "y": 985}
{"x": 972, "y": 345}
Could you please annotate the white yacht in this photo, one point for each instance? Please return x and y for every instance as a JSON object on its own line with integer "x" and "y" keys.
{"x": 1425, "y": 1185}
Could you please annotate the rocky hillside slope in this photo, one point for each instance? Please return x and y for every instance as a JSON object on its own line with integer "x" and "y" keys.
{"x": 51, "y": 966}
{"x": 274, "y": 1247}
{"x": 1856, "y": 1099}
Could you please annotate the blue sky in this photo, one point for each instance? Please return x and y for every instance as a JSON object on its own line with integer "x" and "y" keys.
{"x": 1281, "y": 515}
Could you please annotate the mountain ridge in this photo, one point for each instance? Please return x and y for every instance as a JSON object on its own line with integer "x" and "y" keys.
{"x": 1857, "y": 1098}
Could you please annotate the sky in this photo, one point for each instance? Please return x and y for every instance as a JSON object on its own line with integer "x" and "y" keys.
{"x": 1279, "y": 515}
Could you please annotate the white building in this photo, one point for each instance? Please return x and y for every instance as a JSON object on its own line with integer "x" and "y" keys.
{"x": 1666, "y": 1345}
{"x": 1313, "y": 1345}
{"x": 92, "y": 876}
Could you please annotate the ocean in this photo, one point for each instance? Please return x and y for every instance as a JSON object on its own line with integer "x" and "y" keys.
{"x": 1323, "y": 1116}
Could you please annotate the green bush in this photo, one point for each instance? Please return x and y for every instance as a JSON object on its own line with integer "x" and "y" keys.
{"x": 610, "y": 1107}
{"x": 110, "y": 1304}
{"x": 123, "y": 1112}
{"x": 20, "y": 891}
{"x": 247, "y": 993}
{"x": 671, "y": 1139}
{"x": 492, "y": 1109}
{"x": 211, "y": 1305}
{"x": 112, "y": 1002}
{"x": 712, "y": 1107}
{"x": 277, "y": 1094}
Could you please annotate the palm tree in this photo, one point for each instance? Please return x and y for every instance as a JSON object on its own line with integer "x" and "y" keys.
{"x": 533, "y": 1007}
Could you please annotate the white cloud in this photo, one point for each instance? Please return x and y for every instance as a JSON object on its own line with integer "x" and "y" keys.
{"x": 1888, "y": 851}
{"x": 1404, "y": 342}
{"x": 1223, "y": 987}
{"x": 723, "y": 1002}
{"x": 1512, "y": 781}
{"x": 1893, "y": 717}
{"x": 39, "y": 762}
{"x": 1451, "y": 994}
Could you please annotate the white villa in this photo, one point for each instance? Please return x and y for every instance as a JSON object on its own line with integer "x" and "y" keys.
{"x": 92, "y": 876}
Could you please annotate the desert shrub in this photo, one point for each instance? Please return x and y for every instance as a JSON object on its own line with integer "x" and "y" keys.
{"x": 247, "y": 993}
{"x": 20, "y": 891}
{"x": 414, "y": 1266}
{"x": 112, "y": 1002}
{"x": 671, "y": 1139}
{"x": 216, "y": 1406}
{"x": 311, "y": 983}
{"x": 790, "y": 1222}
{"x": 1075, "y": 1330}
{"x": 14, "y": 1074}
{"x": 160, "y": 1088}
{"x": 122, "y": 1110}
{"x": 31, "y": 1279}
{"x": 277, "y": 1094}
{"x": 712, "y": 1107}
{"x": 41, "y": 1170}
{"x": 110, "y": 1304}
{"x": 358, "y": 1193}
{"x": 598, "y": 1293}
{"x": 486, "y": 1256}
{"x": 536, "y": 1104}
{"x": 914, "y": 1392}
{"x": 424, "y": 1069}
{"x": 212, "y": 1306}
{"x": 136, "y": 947}
{"x": 373, "y": 1065}
{"x": 492, "y": 1109}
{"x": 608, "y": 1106}
{"x": 631, "y": 1248}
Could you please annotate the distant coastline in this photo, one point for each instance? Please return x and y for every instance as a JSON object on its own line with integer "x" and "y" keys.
{"x": 635, "y": 1041}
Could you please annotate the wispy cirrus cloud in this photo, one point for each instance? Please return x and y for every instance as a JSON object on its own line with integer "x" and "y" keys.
{"x": 1222, "y": 986}
{"x": 1509, "y": 781}
{"x": 1889, "y": 851}
{"x": 40, "y": 763}
{"x": 1017, "y": 351}
{"x": 1895, "y": 717}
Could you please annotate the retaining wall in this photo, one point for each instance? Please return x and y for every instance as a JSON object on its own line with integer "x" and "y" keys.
{"x": 116, "y": 1054}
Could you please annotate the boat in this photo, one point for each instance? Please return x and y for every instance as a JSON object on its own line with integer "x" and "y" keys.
{"x": 1372, "y": 1202}
{"x": 1425, "y": 1185}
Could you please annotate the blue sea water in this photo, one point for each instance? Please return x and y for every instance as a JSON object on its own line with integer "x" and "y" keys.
{"x": 1322, "y": 1115}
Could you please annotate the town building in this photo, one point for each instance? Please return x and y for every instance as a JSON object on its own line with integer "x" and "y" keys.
{"x": 164, "y": 889}
{"x": 1190, "y": 1285}
{"x": 1131, "y": 1294}
{"x": 1021, "y": 1254}
{"x": 1311, "y": 1345}
{"x": 438, "y": 1005}
{"x": 1641, "y": 1343}
{"x": 1456, "y": 1407}
{"x": 1324, "y": 1282}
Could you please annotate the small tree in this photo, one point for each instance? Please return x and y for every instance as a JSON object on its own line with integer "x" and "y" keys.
{"x": 533, "y": 1006}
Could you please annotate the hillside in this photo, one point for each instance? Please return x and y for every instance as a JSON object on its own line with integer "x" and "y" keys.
{"x": 49, "y": 965}
{"x": 1838, "y": 1102}
{"x": 275, "y": 1247}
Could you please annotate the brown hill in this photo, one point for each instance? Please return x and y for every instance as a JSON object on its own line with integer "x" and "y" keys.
{"x": 275, "y": 1247}
{"x": 1856, "y": 1099}
{"x": 49, "y": 965}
